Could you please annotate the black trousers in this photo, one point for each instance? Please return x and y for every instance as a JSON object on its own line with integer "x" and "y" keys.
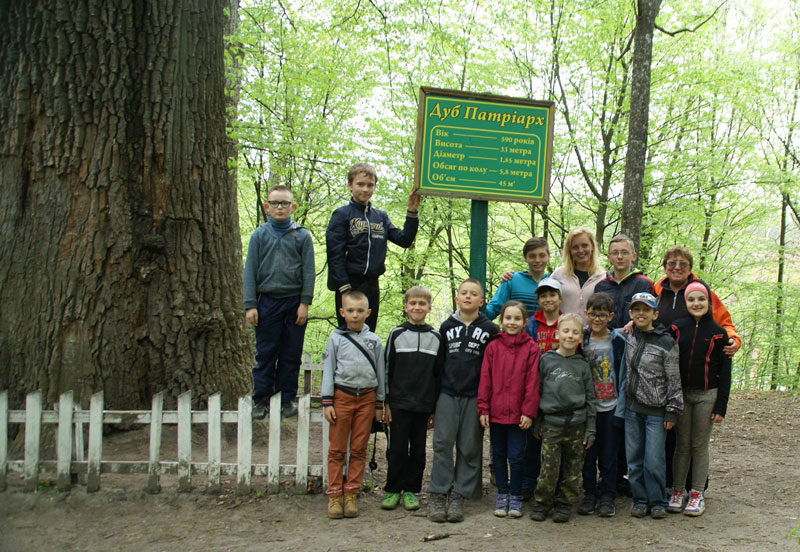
{"x": 370, "y": 288}
{"x": 406, "y": 457}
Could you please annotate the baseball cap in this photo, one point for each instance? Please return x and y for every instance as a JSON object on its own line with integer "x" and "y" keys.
{"x": 645, "y": 298}
{"x": 549, "y": 283}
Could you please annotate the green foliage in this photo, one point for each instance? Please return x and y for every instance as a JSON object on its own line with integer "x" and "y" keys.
{"x": 329, "y": 83}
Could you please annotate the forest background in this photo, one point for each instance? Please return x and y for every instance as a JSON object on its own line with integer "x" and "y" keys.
{"x": 325, "y": 84}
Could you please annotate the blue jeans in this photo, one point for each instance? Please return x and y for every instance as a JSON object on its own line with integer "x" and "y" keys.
{"x": 644, "y": 446}
{"x": 279, "y": 347}
{"x": 532, "y": 462}
{"x": 508, "y": 448}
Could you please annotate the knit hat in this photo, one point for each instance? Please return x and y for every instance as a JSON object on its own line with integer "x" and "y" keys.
{"x": 695, "y": 286}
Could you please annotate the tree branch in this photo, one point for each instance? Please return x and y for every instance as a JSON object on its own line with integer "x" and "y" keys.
{"x": 688, "y": 30}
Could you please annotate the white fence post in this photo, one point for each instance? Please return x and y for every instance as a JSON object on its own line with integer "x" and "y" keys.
{"x": 3, "y": 439}
{"x": 95, "y": 442}
{"x": 301, "y": 459}
{"x": 64, "y": 446}
{"x": 185, "y": 442}
{"x": 274, "y": 456}
{"x": 245, "y": 445}
{"x": 325, "y": 432}
{"x": 33, "y": 427}
{"x": 154, "y": 464}
{"x": 214, "y": 445}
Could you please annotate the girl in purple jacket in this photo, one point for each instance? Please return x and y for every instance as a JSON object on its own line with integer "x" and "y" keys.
{"x": 508, "y": 399}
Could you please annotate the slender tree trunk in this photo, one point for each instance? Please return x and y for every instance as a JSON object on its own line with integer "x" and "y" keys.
{"x": 633, "y": 189}
{"x": 120, "y": 255}
{"x": 779, "y": 299}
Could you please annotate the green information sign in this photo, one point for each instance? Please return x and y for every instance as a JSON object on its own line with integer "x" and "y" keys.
{"x": 482, "y": 146}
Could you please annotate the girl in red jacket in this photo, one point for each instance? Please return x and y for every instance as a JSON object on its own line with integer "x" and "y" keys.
{"x": 508, "y": 399}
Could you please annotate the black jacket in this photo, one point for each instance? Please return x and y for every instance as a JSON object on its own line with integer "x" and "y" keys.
{"x": 463, "y": 348}
{"x": 414, "y": 357}
{"x": 621, "y": 293}
{"x": 356, "y": 242}
{"x": 703, "y": 363}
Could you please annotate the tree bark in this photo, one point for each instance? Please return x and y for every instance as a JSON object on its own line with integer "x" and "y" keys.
{"x": 120, "y": 255}
{"x": 633, "y": 187}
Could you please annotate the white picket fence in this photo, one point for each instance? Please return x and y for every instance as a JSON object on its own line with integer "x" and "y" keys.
{"x": 70, "y": 420}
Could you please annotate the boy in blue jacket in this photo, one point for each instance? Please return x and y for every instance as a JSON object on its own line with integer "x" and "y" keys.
{"x": 278, "y": 283}
{"x": 356, "y": 240}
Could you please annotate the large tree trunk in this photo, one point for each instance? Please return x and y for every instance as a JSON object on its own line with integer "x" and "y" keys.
{"x": 633, "y": 188}
{"x": 120, "y": 255}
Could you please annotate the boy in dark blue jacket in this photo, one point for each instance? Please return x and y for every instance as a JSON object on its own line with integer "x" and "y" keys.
{"x": 413, "y": 364}
{"x": 278, "y": 283}
{"x": 624, "y": 281}
{"x": 356, "y": 240}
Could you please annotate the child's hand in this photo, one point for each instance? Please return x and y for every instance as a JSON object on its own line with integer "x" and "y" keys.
{"x": 302, "y": 315}
{"x": 413, "y": 201}
{"x": 716, "y": 418}
{"x": 378, "y": 415}
{"x": 485, "y": 420}
{"x": 506, "y": 276}
{"x": 669, "y": 425}
{"x": 628, "y": 328}
{"x": 330, "y": 414}
{"x": 525, "y": 422}
{"x": 430, "y": 421}
{"x": 387, "y": 414}
{"x": 251, "y": 315}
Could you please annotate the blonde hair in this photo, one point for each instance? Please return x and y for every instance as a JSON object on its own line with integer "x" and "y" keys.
{"x": 418, "y": 291}
{"x": 566, "y": 254}
{"x": 570, "y": 317}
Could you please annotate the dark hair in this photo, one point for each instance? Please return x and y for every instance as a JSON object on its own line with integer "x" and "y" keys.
{"x": 534, "y": 243}
{"x": 279, "y": 188}
{"x": 356, "y": 296}
{"x": 359, "y": 168}
{"x": 600, "y": 301}
{"x": 517, "y": 304}
{"x": 471, "y": 281}
{"x": 677, "y": 251}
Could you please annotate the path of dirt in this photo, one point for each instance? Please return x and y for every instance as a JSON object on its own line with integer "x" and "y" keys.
{"x": 753, "y": 503}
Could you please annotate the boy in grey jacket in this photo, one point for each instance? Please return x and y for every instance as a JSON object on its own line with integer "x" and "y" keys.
{"x": 278, "y": 283}
{"x": 566, "y": 421}
{"x": 353, "y": 391}
{"x": 650, "y": 400}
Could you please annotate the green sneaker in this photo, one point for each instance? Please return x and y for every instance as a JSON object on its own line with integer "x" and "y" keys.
{"x": 410, "y": 501}
{"x": 390, "y": 501}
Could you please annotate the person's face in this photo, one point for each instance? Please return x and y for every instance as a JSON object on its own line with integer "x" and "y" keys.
{"x": 469, "y": 297}
{"x": 362, "y": 187}
{"x": 621, "y": 256}
{"x": 279, "y": 205}
{"x": 570, "y": 335}
{"x": 417, "y": 308}
{"x": 697, "y": 304}
{"x": 643, "y": 316}
{"x": 678, "y": 270}
{"x": 512, "y": 320}
{"x": 537, "y": 259}
{"x": 355, "y": 312}
{"x": 598, "y": 319}
{"x": 581, "y": 250}
{"x": 549, "y": 300}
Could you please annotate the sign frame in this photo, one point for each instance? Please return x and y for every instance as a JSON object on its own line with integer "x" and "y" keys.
{"x": 421, "y": 149}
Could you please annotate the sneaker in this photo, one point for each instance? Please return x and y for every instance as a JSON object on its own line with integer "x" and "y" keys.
{"x": 561, "y": 513}
{"x": 676, "y": 501}
{"x": 410, "y": 501}
{"x": 289, "y": 409}
{"x": 586, "y": 507}
{"x": 538, "y": 513}
{"x": 390, "y": 501}
{"x": 658, "y": 512}
{"x": 260, "y": 411}
{"x": 639, "y": 510}
{"x": 335, "y": 509}
{"x": 350, "y": 506}
{"x": 455, "y": 511}
{"x": 437, "y": 508}
{"x": 696, "y": 505}
{"x": 606, "y": 508}
{"x": 501, "y": 505}
{"x": 515, "y": 507}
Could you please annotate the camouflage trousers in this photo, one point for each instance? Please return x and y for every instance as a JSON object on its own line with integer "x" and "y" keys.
{"x": 562, "y": 450}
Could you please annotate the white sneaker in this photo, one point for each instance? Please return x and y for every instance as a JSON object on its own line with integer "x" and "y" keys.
{"x": 677, "y": 501}
{"x": 696, "y": 505}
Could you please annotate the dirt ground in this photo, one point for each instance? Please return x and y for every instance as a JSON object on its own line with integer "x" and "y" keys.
{"x": 753, "y": 503}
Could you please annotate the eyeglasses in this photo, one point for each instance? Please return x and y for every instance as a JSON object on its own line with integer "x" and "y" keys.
{"x": 672, "y": 263}
{"x": 597, "y": 315}
{"x": 283, "y": 204}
